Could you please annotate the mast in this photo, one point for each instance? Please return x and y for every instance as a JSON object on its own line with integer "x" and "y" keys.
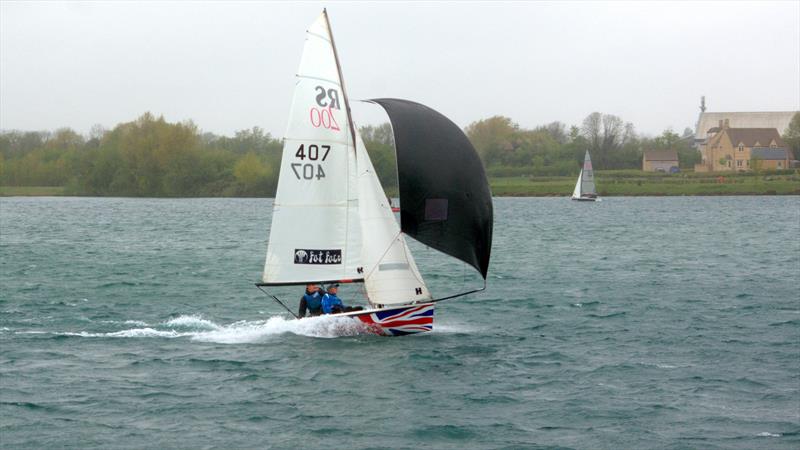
{"x": 341, "y": 79}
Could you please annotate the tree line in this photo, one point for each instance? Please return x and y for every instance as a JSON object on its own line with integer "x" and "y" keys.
{"x": 152, "y": 157}
{"x": 553, "y": 149}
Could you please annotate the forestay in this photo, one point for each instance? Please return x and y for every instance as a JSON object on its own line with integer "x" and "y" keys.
{"x": 315, "y": 233}
{"x": 445, "y": 201}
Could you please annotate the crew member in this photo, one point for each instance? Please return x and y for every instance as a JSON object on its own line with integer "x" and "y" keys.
{"x": 311, "y": 301}
{"x": 331, "y": 303}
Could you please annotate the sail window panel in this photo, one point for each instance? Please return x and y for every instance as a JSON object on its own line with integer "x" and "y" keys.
{"x": 435, "y": 209}
{"x": 393, "y": 266}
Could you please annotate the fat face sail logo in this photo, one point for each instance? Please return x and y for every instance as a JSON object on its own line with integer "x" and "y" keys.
{"x": 307, "y": 256}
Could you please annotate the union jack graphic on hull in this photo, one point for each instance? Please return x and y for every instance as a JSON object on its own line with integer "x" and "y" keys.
{"x": 398, "y": 321}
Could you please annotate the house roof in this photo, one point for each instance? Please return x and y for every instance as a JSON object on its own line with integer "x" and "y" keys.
{"x": 660, "y": 155}
{"x": 752, "y": 136}
{"x": 761, "y": 119}
{"x": 769, "y": 153}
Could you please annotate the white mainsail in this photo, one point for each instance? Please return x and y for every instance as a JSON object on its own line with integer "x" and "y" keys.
{"x": 390, "y": 273}
{"x": 587, "y": 176}
{"x": 316, "y": 233}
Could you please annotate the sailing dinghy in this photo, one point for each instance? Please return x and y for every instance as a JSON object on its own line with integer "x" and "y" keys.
{"x": 332, "y": 221}
{"x": 584, "y": 188}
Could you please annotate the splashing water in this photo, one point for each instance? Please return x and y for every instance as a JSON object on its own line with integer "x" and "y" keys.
{"x": 241, "y": 332}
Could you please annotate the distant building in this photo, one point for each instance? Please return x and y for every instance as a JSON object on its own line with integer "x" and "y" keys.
{"x": 728, "y": 148}
{"x": 770, "y": 158}
{"x": 764, "y": 119}
{"x": 660, "y": 161}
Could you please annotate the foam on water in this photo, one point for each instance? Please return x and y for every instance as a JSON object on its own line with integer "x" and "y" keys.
{"x": 455, "y": 328}
{"x": 768, "y": 434}
{"x": 134, "y": 333}
{"x": 191, "y": 322}
{"x": 241, "y": 332}
{"x": 256, "y": 331}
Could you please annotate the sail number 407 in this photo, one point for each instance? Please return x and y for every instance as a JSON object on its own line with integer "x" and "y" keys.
{"x": 313, "y": 153}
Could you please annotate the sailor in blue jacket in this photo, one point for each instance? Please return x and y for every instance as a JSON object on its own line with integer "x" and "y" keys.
{"x": 331, "y": 304}
{"x": 311, "y": 301}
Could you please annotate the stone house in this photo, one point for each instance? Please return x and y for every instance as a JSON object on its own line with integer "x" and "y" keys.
{"x": 761, "y": 119}
{"x": 660, "y": 161}
{"x": 729, "y": 149}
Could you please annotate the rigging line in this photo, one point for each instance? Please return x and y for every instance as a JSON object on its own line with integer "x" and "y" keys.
{"x": 461, "y": 294}
{"x": 278, "y": 300}
{"x": 378, "y": 263}
{"x": 409, "y": 258}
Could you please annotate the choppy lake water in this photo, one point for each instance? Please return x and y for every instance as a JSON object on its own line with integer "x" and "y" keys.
{"x": 630, "y": 323}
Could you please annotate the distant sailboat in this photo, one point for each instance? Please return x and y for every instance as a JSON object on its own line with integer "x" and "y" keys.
{"x": 332, "y": 221}
{"x": 584, "y": 188}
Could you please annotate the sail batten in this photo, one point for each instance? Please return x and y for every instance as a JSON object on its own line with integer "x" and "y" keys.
{"x": 308, "y": 77}
{"x": 445, "y": 201}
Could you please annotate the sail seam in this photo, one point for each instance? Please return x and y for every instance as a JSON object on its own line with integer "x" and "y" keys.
{"x": 315, "y": 140}
{"x": 327, "y": 80}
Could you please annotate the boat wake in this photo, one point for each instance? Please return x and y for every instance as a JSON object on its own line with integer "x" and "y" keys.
{"x": 246, "y": 331}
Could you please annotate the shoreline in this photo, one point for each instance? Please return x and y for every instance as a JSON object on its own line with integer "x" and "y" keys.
{"x": 612, "y": 183}
{"x": 494, "y": 195}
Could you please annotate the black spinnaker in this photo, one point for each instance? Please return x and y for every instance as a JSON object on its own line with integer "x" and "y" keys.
{"x": 445, "y": 201}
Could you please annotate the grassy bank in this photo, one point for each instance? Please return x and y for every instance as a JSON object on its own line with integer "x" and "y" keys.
{"x": 635, "y": 183}
{"x": 609, "y": 183}
{"x": 31, "y": 191}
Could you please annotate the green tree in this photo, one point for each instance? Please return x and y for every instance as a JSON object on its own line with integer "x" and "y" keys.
{"x": 756, "y": 165}
{"x": 251, "y": 175}
{"x": 492, "y": 138}
{"x": 792, "y": 135}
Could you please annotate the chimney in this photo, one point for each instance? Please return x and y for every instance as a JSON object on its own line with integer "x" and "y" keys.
{"x": 720, "y": 124}
{"x": 727, "y": 124}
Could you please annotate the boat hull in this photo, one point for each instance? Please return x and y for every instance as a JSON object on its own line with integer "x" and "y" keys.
{"x": 585, "y": 199}
{"x": 396, "y": 320}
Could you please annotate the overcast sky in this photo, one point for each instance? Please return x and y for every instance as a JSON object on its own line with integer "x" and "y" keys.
{"x": 229, "y": 66}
